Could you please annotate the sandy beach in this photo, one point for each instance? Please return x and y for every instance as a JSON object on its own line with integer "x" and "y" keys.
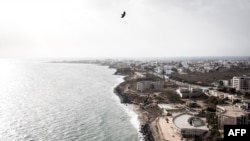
{"x": 163, "y": 131}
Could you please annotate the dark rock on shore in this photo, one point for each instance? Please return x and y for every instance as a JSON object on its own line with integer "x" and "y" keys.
{"x": 123, "y": 98}
{"x": 146, "y": 132}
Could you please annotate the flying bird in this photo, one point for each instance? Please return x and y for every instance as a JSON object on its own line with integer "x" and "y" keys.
{"x": 123, "y": 14}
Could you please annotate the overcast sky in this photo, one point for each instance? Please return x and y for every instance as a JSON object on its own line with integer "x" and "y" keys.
{"x": 151, "y": 28}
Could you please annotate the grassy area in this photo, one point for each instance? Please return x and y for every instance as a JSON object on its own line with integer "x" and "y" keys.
{"x": 171, "y": 96}
{"x": 206, "y": 79}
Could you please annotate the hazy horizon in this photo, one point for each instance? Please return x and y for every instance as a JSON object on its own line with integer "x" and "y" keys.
{"x": 151, "y": 28}
{"x": 131, "y": 58}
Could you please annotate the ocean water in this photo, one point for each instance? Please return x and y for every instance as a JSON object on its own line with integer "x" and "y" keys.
{"x": 42, "y": 101}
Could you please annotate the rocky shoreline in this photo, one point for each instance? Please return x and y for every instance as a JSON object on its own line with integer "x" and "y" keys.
{"x": 144, "y": 128}
{"x": 123, "y": 99}
{"x": 145, "y": 103}
{"x": 146, "y": 132}
{"x": 144, "y": 124}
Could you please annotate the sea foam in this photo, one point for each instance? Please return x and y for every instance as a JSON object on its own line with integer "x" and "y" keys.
{"x": 129, "y": 109}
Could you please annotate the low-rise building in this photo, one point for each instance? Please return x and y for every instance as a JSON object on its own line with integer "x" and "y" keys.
{"x": 159, "y": 70}
{"x": 139, "y": 75}
{"x": 234, "y": 98}
{"x": 146, "y": 85}
{"x": 188, "y": 125}
{"x": 225, "y": 83}
{"x": 189, "y": 92}
{"x": 232, "y": 115}
{"x": 218, "y": 94}
{"x": 195, "y": 90}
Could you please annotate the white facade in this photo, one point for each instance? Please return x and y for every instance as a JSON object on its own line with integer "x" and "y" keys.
{"x": 167, "y": 69}
{"x": 159, "y": 70}
{"x": 225, "y": 83}
{"x": 241, "y": 83}
{"x": 189, "y": 92}
{"x": 218, "y": 94}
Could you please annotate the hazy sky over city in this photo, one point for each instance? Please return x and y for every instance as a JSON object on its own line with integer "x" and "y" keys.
{"x": 151, "y": 28}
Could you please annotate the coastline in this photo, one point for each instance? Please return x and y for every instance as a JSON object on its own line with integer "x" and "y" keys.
{"x": 143, "y": 129}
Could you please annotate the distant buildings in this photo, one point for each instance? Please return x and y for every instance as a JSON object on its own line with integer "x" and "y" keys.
{"x": 225, "y": 83}
{"x": 241, "y": 82}
{"x": 223, "y": 95}
{"x": 140, "y": 75}
{"x": 159, "y": 70}
{"x": 218, "y": 94}
{"x": 146, "y": 85}
{"x": 221, "y": 83}
{"x": 168, "y": 69}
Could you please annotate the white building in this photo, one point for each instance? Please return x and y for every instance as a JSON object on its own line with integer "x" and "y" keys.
{"x": 189, "y": 92}
{"x": 225, "y": 83}
{"x": 188, "y": 125}
{"x": 167, "y": 69}
{"x": 139, "y": 75}
{"x": 218, "y": 94}
{"x": 159, "y": 70}
{"x": 195, "y": 90}
{"x": 241, "y": 82}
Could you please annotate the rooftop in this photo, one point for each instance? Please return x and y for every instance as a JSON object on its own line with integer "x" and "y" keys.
{"x": 181, "y": 121}
{"x": 232, "y": 111}
{"x": 241, "y": 77}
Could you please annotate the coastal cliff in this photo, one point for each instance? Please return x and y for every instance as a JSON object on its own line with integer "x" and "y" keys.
{"x": 123, "y": 98}
{"x": 145, "y": 127}
{"x": 146, "y": 112}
